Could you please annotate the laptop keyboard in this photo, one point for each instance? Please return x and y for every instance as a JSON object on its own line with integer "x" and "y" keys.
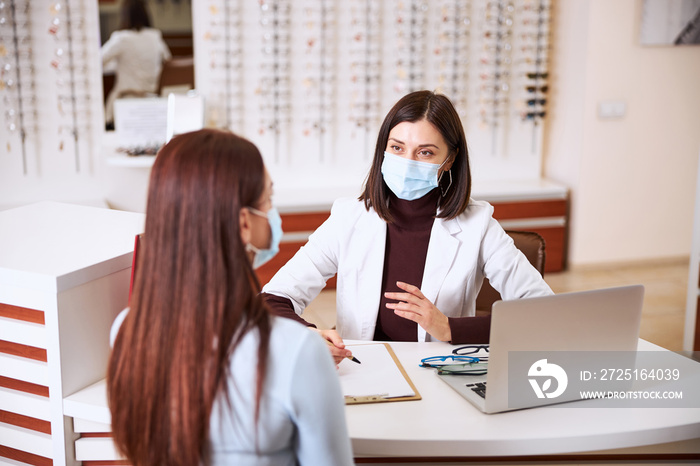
{"x": 478, "y": 388}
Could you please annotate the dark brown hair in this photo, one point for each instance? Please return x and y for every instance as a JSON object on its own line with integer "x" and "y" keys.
{"x": 195, "y": 296}
{"x": 134, "y": 15}
{"x": 439, "y": 111}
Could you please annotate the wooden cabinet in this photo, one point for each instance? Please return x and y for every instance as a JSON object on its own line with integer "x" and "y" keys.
{"x": 548, "y": 217}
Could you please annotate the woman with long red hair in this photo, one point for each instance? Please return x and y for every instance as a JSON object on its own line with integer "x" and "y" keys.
{"x": 201, "y": 372}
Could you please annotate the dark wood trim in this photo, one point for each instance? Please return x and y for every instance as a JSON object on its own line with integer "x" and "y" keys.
{"x": 307, "y": 221}
{"x": 106, "y": 463}
{"x": 267, "y": 271}
{"x": 287, "y": 251}
{"x": 95, "y": 435}
{"x": 529, "y": 209}
{"x": 22, "y": 386}
{"x": 180, "y": 43}
{"x": 22, "y": 313}
{"x": 26, "y": 422}
{"x": 23, "y": 351}
{"x": 696, "y": 345}
{"x": 542, "y": 459}
{"x": 24, "y": 457}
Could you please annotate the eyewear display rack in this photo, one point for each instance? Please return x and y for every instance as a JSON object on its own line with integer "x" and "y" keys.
{"x": 310, "y": 81}
{"x": 48, "y": 62}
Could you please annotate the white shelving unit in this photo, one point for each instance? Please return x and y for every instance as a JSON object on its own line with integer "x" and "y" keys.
{"x": 691, "y": 340}
{"x": 64, "y": 276}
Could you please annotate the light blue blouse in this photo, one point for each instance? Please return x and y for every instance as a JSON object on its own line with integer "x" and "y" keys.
{"x": 302, "y": 414}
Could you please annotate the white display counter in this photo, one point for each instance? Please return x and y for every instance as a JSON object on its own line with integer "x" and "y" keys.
{"x": 64, "y": 275}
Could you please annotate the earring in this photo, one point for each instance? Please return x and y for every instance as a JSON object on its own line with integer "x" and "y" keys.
{"x": 444, "y": 192}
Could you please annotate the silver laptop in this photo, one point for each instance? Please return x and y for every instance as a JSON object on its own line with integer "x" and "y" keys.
{"x": 565, "y": 324}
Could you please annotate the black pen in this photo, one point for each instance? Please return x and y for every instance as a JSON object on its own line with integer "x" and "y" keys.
{"x": 352, "y": 358}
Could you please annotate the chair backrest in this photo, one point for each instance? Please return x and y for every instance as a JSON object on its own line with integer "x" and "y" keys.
{"x": 177, "y": 72}
{"x": 532, "y": 245}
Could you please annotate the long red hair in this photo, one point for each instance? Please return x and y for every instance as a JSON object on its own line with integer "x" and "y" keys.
{"x": 195, "y": 296}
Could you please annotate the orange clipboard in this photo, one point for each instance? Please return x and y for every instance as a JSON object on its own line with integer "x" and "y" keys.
{"x": 377, "y": 398}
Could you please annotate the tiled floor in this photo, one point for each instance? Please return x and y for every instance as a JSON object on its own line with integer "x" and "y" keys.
{"x": 663, "y": 315}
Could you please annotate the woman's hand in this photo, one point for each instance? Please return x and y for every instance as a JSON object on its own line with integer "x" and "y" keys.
{"x": 335, "y": 345}
{"x": 413, "y": 305}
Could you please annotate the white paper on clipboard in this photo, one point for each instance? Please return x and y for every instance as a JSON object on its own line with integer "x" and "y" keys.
{"x": 377, "y": 375}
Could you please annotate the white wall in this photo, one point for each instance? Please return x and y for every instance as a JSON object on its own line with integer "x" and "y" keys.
{"x": 632, "y": 179}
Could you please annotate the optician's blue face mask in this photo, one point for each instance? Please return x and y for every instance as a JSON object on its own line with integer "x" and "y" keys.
{"x": 409, "y": 179}
{"x": 264, "y": 255}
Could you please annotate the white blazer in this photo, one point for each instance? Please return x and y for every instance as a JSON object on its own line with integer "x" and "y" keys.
{"x": 351, "y": 243}
{"x": 137, "y": 57}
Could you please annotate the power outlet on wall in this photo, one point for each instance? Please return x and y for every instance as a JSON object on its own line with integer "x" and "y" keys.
{"x": 611, "y": 109}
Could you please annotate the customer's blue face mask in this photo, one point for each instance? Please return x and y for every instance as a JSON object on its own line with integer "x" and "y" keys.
{"x": 409, "y": 179}
{"x": 264, "y": 255}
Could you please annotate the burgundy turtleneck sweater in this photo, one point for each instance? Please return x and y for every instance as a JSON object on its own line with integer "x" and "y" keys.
{"x": 407, "y": 238}
{"x": 407, "y": 242}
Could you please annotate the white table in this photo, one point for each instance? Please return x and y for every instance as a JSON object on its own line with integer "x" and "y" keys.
{"x": 443, "y": 424}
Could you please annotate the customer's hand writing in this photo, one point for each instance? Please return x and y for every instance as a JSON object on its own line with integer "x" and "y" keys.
{"x": 337, "y": 347}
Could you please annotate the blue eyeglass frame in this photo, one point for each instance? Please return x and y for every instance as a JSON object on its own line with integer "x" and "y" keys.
{"x": 455, "y": 359}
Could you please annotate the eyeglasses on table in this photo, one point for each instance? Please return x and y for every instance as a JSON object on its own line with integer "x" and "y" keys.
{"x": 455, "y": 364}
{"x": 469, "y": 350}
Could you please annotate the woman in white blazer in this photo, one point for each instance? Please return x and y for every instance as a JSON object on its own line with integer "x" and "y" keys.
{"x": 412, "y": 252}
{"x": 136, "y": 51}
